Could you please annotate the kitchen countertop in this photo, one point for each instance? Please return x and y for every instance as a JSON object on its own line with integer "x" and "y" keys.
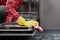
{"x": 46, "y": 35}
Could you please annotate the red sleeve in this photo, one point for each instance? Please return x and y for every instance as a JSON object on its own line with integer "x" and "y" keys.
{"x": 11, "y": 6}
{"x": 8, "y": 18}
{"x": 3, "y": 2}
{"x": 0, "y": 2}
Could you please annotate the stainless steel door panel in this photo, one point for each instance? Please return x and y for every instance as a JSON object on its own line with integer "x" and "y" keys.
{"x": 50, "y": 14}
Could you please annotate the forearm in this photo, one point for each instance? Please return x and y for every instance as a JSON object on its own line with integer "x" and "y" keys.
{"x": 8, "y": 18}
{"x": 11, "y": 7}
{"x": 13, "y": 13}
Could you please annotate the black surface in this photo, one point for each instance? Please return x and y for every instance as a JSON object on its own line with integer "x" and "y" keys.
{"x": 46, "y": 35}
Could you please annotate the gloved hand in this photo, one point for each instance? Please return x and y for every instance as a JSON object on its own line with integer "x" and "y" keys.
{"x": 33, "y": 23}
{"x": 30, "y": 23}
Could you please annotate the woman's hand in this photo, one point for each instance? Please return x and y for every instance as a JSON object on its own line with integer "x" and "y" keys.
{"x": 36, "y": 26}
{"x": 33, "y": 23}
{"x": 30, "y": 23}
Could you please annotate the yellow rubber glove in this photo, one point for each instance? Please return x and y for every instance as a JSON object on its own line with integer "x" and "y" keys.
{"x": 29, "y": 23}
{"x": 20, "y": 21}
{"x": 33, "y": 23}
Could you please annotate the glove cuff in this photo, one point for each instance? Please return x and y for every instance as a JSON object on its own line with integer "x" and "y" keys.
{"x": 20, "y": 21}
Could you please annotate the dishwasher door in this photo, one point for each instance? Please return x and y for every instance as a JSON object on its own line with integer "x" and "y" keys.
{"x": 50, "y": 14}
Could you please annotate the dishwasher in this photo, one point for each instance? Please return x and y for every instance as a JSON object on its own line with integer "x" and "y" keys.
{"x": 29, "y": 9}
